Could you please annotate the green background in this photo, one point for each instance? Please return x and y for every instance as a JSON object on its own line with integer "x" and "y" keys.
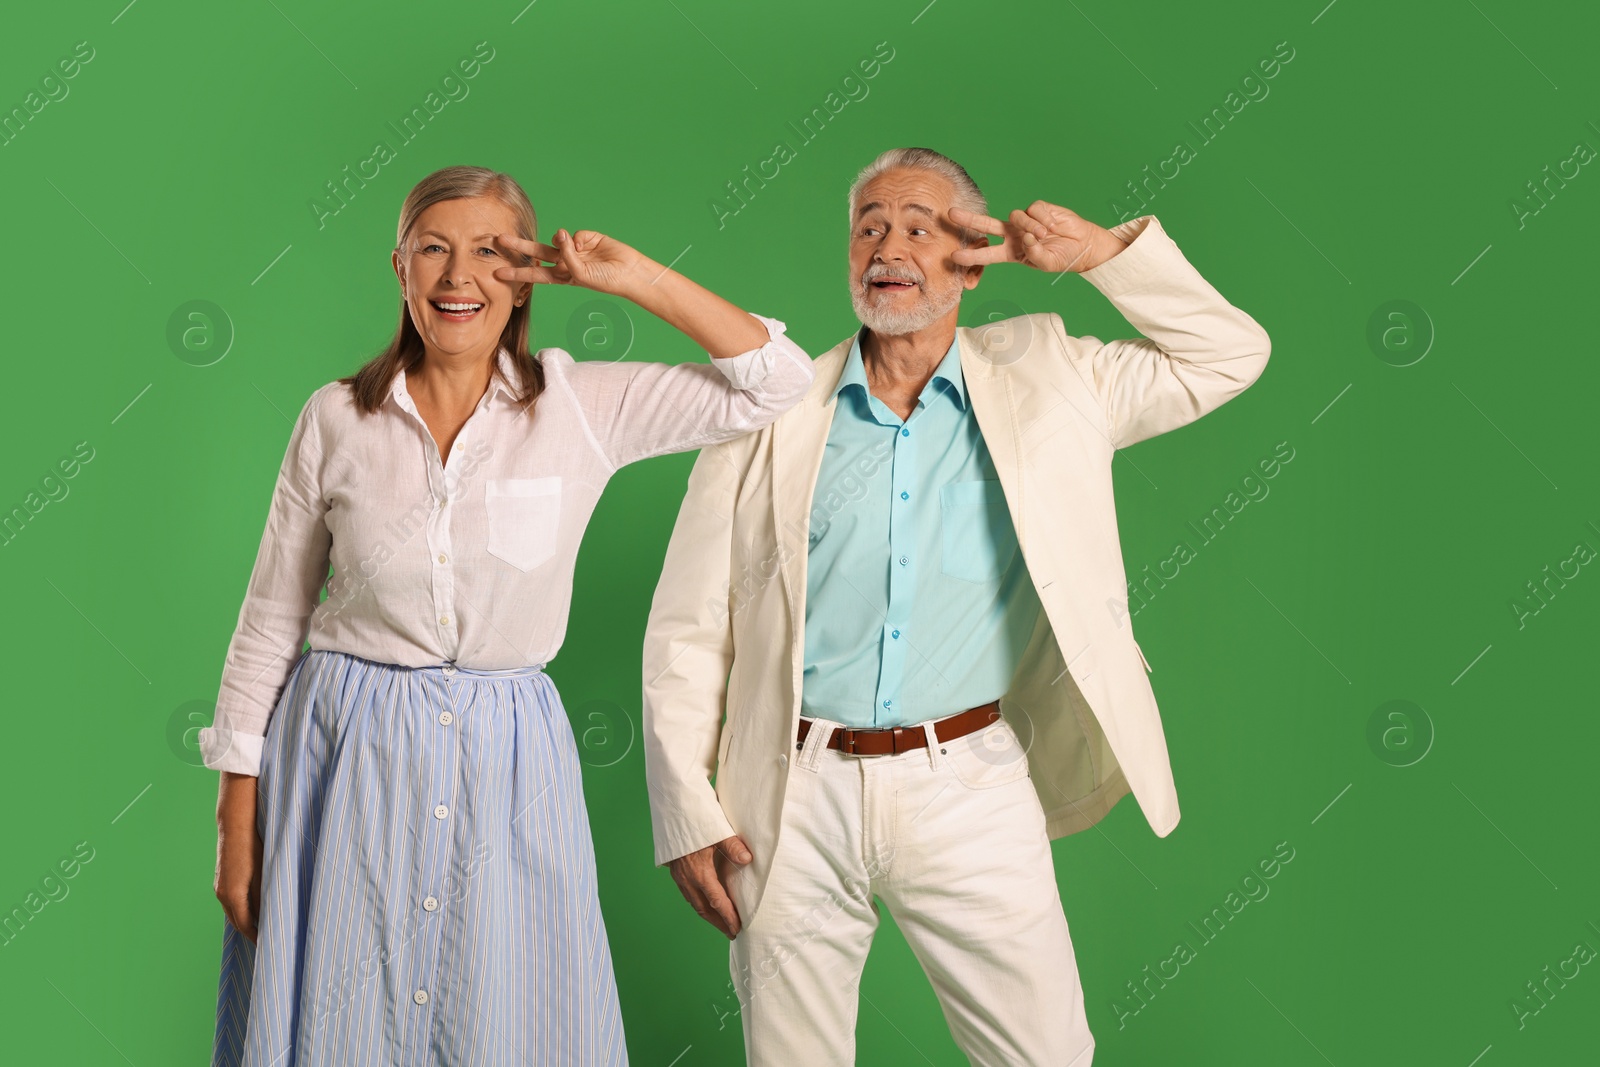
{"x": 1383, "y": 564}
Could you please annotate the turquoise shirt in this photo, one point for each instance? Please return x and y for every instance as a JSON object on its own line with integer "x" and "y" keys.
{"x": 918, "y": 604}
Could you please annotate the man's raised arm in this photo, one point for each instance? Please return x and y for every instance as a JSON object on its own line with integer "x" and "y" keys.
{"x": 1198, "y": 350}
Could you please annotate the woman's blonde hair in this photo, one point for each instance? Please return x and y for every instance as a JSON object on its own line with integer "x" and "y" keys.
{"x": 371, "y": 383}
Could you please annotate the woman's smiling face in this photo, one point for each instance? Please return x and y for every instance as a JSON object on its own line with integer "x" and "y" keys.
{"x": 446, "y": 271}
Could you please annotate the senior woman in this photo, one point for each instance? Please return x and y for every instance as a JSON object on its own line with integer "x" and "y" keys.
{"x": 404, "y": 856}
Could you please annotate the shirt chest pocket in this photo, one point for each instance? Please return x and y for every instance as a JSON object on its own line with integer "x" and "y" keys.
{"x": 977, "y": 537}
{"x": 524, "y": 517}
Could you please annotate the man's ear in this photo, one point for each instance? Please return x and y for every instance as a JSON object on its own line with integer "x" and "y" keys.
{"x": 973, "y": 276}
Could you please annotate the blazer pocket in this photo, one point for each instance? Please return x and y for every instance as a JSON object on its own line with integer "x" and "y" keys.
{"x": 977, "y": 538}
{"x": 524, "y": 517}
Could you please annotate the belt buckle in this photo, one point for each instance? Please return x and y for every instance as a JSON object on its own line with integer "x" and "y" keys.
{"x": 848, "y": 742}
{"x": 849, "y": 735}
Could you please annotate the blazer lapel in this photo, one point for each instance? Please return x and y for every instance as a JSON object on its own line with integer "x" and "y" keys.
{"x": 990, "y": 385}
{"x": 798, "y": 440}
{"x": 989, "y": 392}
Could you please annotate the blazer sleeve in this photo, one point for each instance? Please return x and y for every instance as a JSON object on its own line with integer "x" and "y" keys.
{"x": 688, "y": 654}
{"x": 1198, "y": 350}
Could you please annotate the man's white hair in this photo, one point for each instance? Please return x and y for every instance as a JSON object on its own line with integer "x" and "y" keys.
{"x": 967, "y": 193}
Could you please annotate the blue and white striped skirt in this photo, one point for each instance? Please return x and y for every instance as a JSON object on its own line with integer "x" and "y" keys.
{"x": 427, "y": 880}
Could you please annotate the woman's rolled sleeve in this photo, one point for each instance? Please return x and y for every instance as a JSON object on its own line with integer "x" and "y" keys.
{"x": 639, "y": 410}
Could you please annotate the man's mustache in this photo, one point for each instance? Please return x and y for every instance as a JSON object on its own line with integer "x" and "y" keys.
{"x": 874, "y": 274}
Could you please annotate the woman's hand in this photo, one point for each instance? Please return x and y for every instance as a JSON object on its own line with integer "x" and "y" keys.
{"x": 606, "y": 265}
{"x": 238, "y": 876}
{"x": 585, "y": 258}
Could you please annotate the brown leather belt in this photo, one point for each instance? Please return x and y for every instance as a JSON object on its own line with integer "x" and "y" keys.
{"x": 890, "y": 740}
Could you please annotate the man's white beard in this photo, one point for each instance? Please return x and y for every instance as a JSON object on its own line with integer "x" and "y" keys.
{"x": 892, "y": 322}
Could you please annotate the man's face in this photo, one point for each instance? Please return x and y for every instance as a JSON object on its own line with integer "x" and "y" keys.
{"x": 902, "y": 278}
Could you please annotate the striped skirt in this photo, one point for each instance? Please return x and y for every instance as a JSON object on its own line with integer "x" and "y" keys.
{"x": 427, "y": 879}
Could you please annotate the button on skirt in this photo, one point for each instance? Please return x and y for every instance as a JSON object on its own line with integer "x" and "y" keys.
{"x": 428, "y": 880}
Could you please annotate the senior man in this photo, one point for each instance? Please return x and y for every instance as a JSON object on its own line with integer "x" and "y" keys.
{"x": 892, "y": 626}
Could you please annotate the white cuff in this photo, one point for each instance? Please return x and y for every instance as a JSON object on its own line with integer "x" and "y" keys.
{"x": 1148, "y": 254}
{"x": 230, "y": 750}
{"x": 682, "y": 834}
{"x": 748, "y": 369}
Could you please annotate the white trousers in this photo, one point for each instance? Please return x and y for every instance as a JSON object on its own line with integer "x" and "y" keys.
{"x": 952, "y": 840}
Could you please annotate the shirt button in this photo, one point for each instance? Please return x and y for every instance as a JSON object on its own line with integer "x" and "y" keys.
{"x": 444, "y": 620}
{"x": 783, "y": 761}
{"x": 440, "y": 812}
{"x": 430, "y": 903}
{"x": 445, "y": 718}
{"x": 420, "y": 996}
{"x": 441, "y": 557}
{"x": 903, "y": 561}
{"x": 903, "y": 496}
{"x": 895, "y": 634}
{"x": 905, "y": 433}
{"x": 886, "y": 703}
{"x": 449, "y": 668}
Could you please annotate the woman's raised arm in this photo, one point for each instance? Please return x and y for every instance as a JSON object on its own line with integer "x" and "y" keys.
{"x": 636, "y": 410}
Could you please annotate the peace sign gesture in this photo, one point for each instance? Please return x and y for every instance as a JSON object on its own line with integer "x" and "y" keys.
{"x": 1046, "y": 236}
{"x": 586, "y": 258}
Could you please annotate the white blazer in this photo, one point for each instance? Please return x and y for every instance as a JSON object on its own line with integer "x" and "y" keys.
{"x": 723, "y": 649}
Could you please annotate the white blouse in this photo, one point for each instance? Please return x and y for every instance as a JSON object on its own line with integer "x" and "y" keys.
{"x": 468, "y": 561}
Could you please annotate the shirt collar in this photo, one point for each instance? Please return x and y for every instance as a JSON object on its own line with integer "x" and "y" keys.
{"x": 507, "y": 382}
{"x": 949, "y": 368}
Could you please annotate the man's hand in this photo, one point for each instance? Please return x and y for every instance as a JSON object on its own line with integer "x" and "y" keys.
{"x": 1045, "y": 236}
{"x": 703, "y": 878}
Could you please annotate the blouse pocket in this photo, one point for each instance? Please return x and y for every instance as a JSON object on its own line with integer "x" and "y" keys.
{"x": 977, "y": 535}
{"x": 524, "y": 519}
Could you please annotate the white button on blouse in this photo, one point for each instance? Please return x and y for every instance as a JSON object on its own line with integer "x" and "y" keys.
{"x": 468, "y": 559}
